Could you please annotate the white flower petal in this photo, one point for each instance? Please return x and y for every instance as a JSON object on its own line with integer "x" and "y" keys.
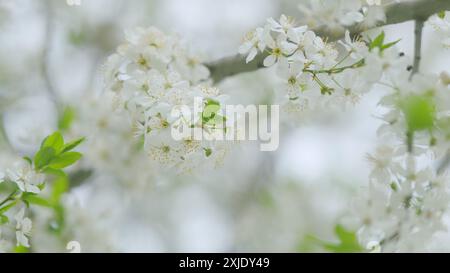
{"x": 245, "y": 48}
{"x": 251, "y": 56}
{"x": 270, "y": 60}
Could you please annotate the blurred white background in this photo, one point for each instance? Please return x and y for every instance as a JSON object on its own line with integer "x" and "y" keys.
{"x": 257, "y": 201}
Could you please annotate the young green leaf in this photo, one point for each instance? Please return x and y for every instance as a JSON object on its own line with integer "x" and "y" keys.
{"x": 388, "y": 45}
{"x": 208, "y": 152}
{"x": 64, "y": 160}
{"x": 348, "y": 242}
{"x": 210, "y": 111}
{"x": 3, "y": 219}
{"x": 55, "y": 172}
{"x": 21, "y": 249}
{"x": 27, "y": 159}
{"x": 378, "y": 41}
{"x": 36, "y": 200}
{"x": 55, "y": 141}
{"x": 43, "y": 157}
{"x": 72, "y": 145}
{"x": 419, "y": 111}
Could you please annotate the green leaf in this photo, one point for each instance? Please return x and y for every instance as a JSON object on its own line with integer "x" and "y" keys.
{"x": 36, "y": 200}
{"x": 21, "y": 249}
{"x": 64, "y": 160}
{"x": 55, "y": 172}
{"x": 72, "y": 145}
{"x": 388, "y": 45}
{"x": 43, "y": 157}
{"x": 348, "y": 242}
{"x": 7, "y": 207}
{"x": 212, "y": 102}
{"x": 55, "y": 141}
{"x": 27, "y": 159}
{"x": 66, "y": 120}
{"x": 378, "y": 41}
{"x": 210, "y": 115}
{"x": 210, "y": 110}
{"x": 419, "y": 111}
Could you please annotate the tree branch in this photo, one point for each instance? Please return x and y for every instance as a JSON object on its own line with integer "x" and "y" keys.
{"x": 396, "y": 13}
{"x": 417, "y": 46}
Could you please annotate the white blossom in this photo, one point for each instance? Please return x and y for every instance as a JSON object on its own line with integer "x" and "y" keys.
{"x": 356, "y": 48}
{"x": 441, "y": 23}
{"x": 26, "y": 178}
{"x": 254, "y": 41}
{"x": 154, "y": 74}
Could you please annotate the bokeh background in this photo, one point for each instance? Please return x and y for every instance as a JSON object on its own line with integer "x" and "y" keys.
{"x": 52, "y": 53}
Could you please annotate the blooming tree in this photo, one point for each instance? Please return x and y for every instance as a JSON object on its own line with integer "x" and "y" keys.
{"x": 329, "y": 58}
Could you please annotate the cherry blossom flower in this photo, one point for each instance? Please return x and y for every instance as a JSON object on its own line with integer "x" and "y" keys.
{"x": 25, "y": 177}
{"x": 356, "y": 48}
{"x": 254, "y": 42}
{"x": 23, "y": 228}
{"x": 153, "y": 74}
{"x": 441, "y": 23}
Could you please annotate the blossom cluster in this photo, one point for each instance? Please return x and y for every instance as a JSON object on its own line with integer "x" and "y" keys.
{"x": 152, "y": 74}
{"x": 441, "y": 23}
{"x": 316, "y": 72}
{"x": 407, "y": 199}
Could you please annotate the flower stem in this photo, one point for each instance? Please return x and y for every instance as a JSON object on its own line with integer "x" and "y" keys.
{"x": 336, "y": 70}
{"x": 343, "y": 59}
